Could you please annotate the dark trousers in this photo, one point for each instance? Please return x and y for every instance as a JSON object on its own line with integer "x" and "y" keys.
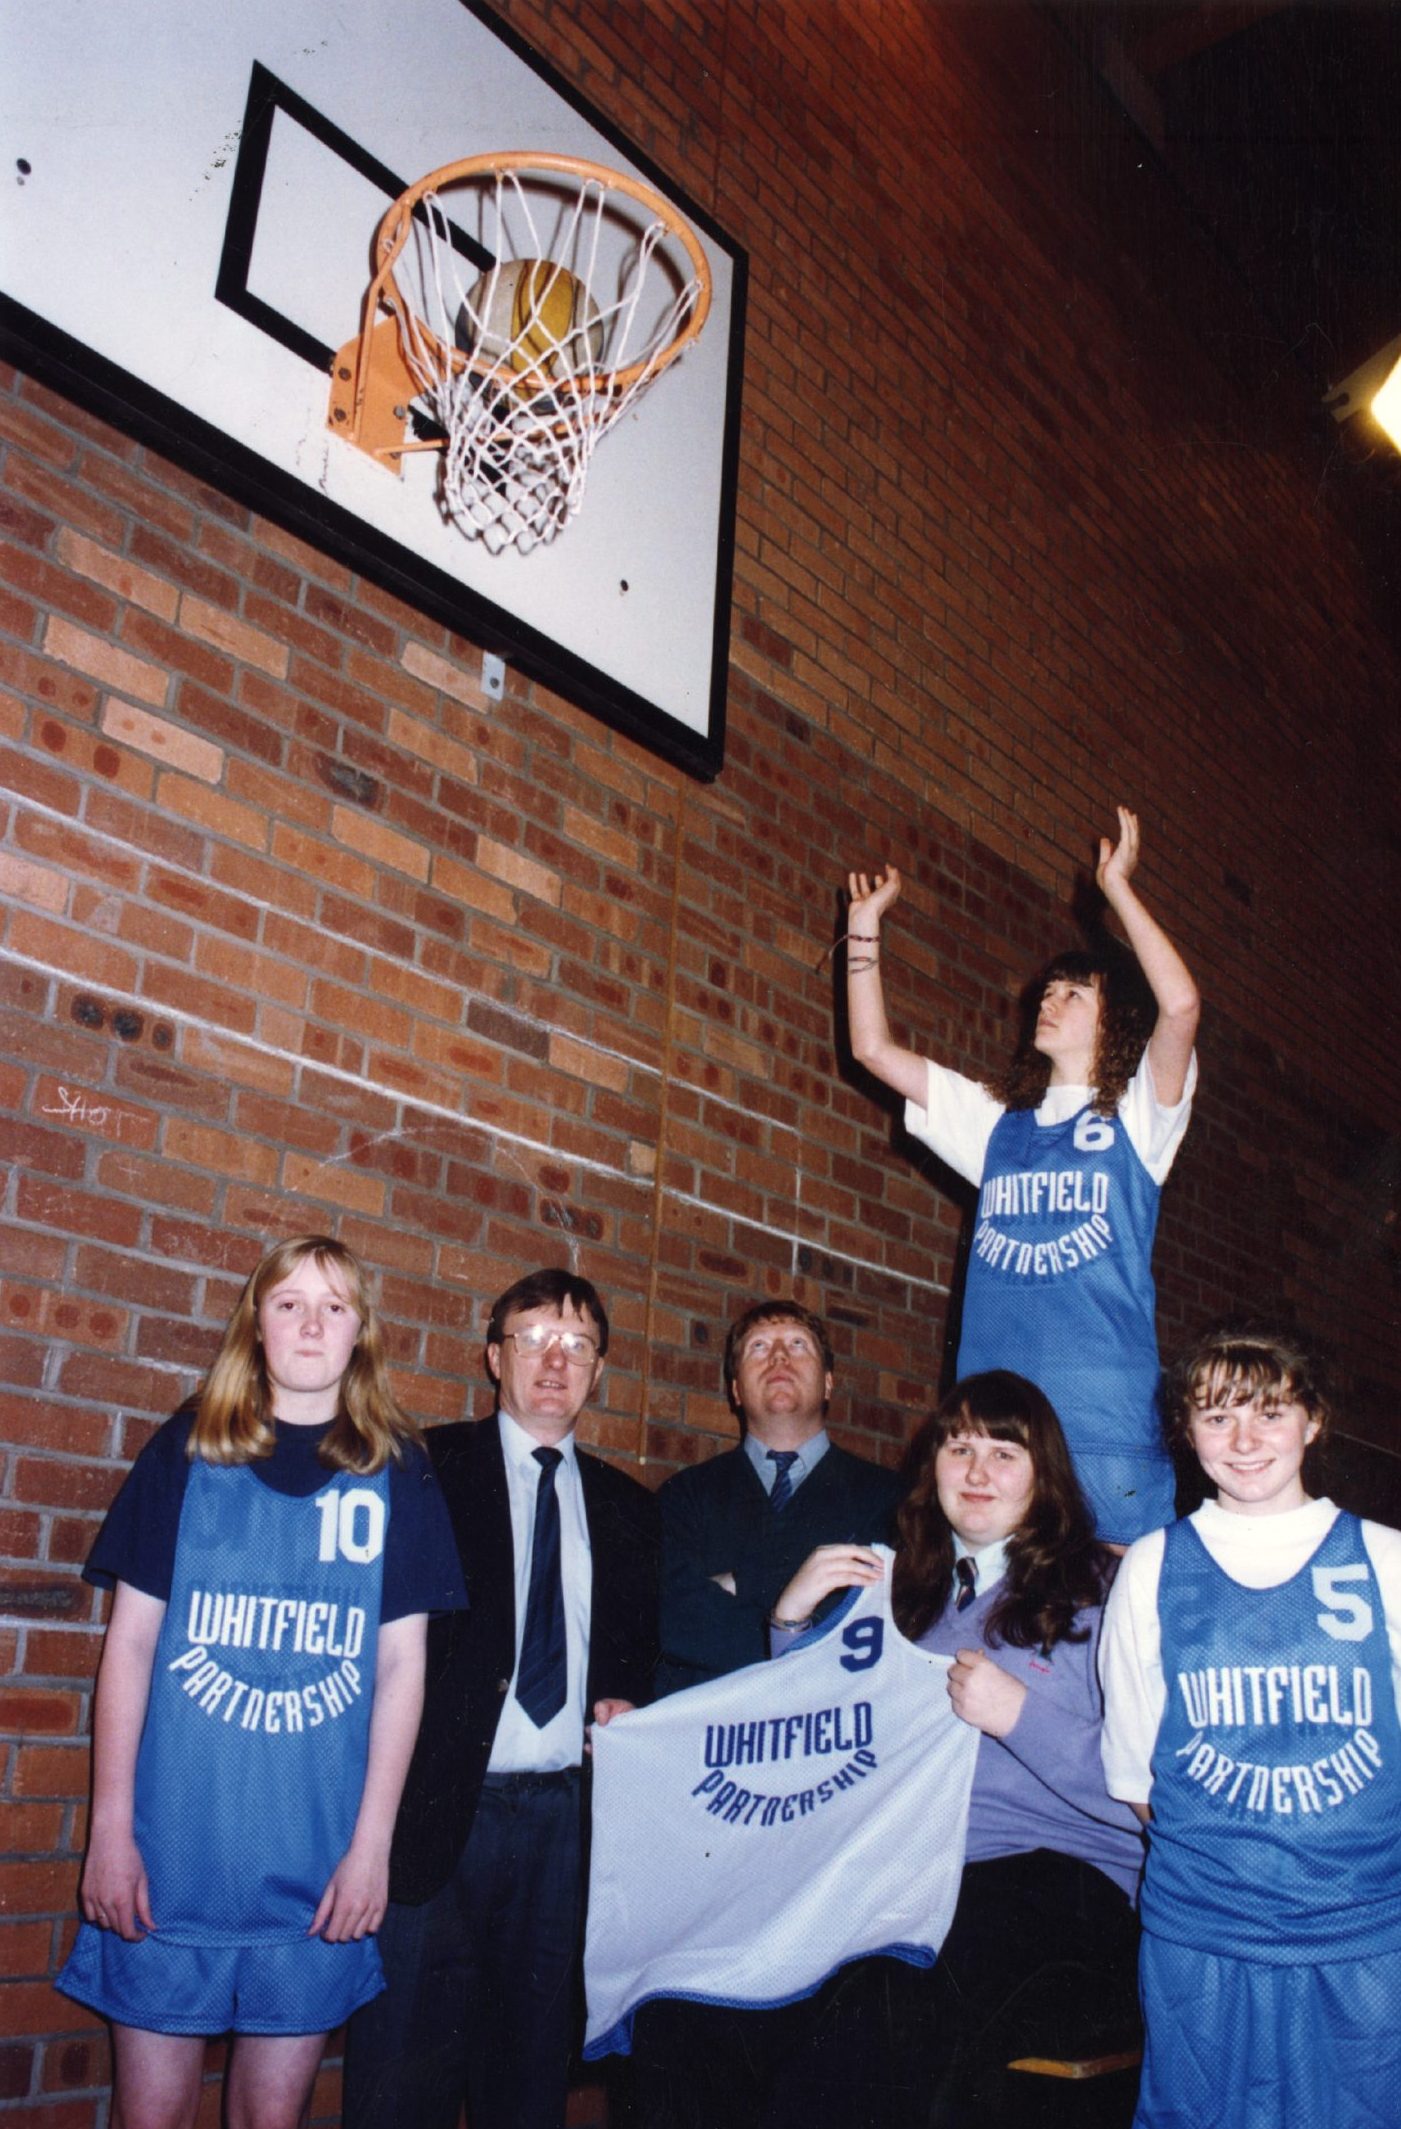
{"x": 481, "y": 1994}
{"x": 1041, "y": 1958}
{"x": 704, "y": 2066}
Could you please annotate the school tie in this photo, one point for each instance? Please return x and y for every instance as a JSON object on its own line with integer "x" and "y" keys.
{"x": 966, "y": 1571}
{"x": 783, "y": 1461}
{"x": 540, "y": 1675}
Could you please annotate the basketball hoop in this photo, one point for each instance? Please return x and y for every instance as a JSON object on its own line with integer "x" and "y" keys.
{"x": 520, "y": 333}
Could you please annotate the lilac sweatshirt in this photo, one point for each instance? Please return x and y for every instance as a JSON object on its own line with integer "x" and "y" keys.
{"x": 1042, "y": 1786}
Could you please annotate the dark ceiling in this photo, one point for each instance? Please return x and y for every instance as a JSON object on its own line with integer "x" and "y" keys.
{"x": 1281, "y": 124}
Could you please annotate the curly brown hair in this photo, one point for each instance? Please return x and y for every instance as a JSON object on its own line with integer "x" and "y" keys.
{"x": 1055, "y": 1566}
{"x": 1126, "y": 1021}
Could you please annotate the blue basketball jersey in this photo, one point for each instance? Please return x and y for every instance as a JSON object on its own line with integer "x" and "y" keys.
{"x": 1276, "y": 1830}
{"x": 1060, "y": 1289}
{"x": 253, "y": 1755}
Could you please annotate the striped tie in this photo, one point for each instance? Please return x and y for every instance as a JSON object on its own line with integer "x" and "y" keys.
{"x": 783, "y": 1461}
{"x": 967, "y": 1572}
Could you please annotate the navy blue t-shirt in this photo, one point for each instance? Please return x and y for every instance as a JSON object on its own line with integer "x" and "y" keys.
{"x": 136, "y": 1544}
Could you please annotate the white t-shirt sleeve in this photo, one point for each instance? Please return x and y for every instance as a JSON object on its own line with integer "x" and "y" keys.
{"x": 1260, "y": 1552}
{"x": 959, "y": 1117}
{"x": 957, "y": 1120}
{"x": 1384, "y": 1551}
{"x": 1155, "y": 1130}
{"x": 1131, "y": 1672}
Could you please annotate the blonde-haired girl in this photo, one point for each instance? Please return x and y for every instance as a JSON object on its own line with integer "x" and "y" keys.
{"x": 274, "y": 1553}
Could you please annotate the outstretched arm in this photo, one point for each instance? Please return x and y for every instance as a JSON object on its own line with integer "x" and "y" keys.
{"x": 114, "y": 1893}
{"x": 354, "y": 1901}
{"x": 871, "y": 1041}
{"x": 1168, "y": 976}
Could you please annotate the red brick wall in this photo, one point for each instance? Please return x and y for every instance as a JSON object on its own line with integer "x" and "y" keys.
{"x": 300, "y": 930}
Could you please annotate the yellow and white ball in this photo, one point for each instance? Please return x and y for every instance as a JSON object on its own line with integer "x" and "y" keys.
{"x": 534, "y": 317}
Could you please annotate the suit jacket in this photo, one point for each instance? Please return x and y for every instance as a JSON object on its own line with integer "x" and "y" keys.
{"x": 471, "y": 1654}
{"x": 716, "y": 1519}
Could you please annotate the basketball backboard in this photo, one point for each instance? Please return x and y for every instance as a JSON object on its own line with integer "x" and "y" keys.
{"x": 186, "y": 239}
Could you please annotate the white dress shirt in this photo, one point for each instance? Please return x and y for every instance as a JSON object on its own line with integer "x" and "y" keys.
{"x": 519, "y": 1747}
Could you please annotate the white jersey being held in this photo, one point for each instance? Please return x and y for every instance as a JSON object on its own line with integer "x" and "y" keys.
{"x": 753, "y": 1834}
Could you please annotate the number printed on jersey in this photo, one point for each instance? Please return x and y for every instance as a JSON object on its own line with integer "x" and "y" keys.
{"x": 1093, "y": 1134}
{"x": 1347, "y": 1617}
{"x": 865, "y": 1638}
{"x": 352, "y": 1525}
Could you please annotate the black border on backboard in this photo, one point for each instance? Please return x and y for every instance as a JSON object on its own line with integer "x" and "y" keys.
{"x": 266, "y": 97}
{"x": 101, "y": 386}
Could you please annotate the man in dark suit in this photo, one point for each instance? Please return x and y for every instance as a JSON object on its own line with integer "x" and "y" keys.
{"x": 736, "y": 1529}
{"x": 559, "y": 1550}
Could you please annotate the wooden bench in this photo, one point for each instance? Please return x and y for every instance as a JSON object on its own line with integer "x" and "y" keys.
{"x": 1076, "y": 2091}
{"x": 1081, "y": 2067}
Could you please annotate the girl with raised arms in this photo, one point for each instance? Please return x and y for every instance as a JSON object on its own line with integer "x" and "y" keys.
{"x": 1252, "y": 1675}
{"x": 997, "y": 1567}
{"x": 1070, "y": 1149}
{"x": 274, "y": 1553}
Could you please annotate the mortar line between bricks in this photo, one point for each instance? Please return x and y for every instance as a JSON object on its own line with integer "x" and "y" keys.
{"x": 411, "y": 1103}
{"x": 255, "y": 901}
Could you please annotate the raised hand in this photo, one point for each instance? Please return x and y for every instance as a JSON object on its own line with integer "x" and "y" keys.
{"x": 871, "y": 1042}
{"x": 871, "y": 895}
{"x": 1117, "y": 860}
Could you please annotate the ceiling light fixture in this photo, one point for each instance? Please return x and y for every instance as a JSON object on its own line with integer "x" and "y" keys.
{"x": 1374, "y": 387}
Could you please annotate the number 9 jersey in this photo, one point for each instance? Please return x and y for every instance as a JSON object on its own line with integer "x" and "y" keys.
{"x": 754, "y": 1833}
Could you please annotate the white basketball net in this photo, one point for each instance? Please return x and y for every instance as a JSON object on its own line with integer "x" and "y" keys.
{"x": 524, "y": 414}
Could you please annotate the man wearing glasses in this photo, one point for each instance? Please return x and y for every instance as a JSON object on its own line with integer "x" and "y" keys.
{"x": 736, "y": 1529}
{"x": 559, "y": 1551}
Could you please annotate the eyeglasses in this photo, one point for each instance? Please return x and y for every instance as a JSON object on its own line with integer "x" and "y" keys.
{"x": 537, "y": 1338}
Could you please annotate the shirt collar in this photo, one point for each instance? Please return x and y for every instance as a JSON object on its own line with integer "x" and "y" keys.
{"x": 1059, "y": 1103}
{"x": 1266, "y": 1532}
{"x": 810, "y": 1454}
{"x": 990, "y": 1560}
{"x": 518, "y": 1447}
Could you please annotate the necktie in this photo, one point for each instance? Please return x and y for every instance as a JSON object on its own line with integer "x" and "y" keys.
{"x": 783, "y": 1461}
{"x": 966, "y": 1571}
{"x": 540, "y": 1675}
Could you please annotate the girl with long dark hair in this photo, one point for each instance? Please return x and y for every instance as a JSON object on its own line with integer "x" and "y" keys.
{"x": 998, "y": 1568}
